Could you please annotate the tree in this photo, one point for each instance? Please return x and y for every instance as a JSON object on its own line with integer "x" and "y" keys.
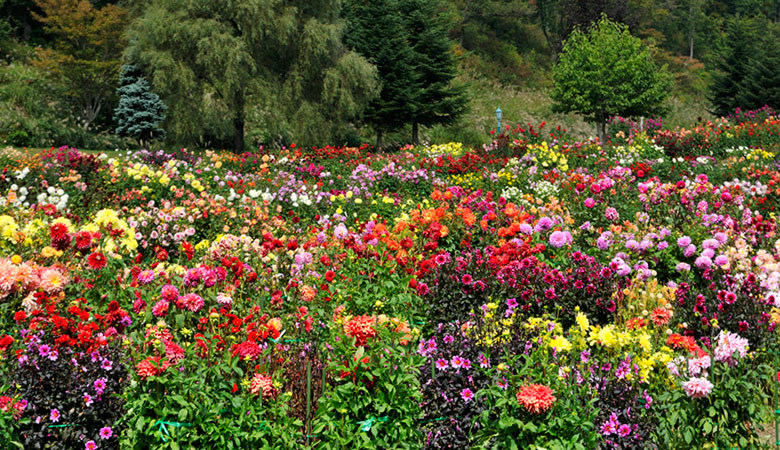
{"x": 437, "y": 101}
{"x": 761, "y": 84}
{"x": 375, "y": 29}
{"x": 731, "y": 67}
{"x": 605, "y": 72}
{"x": 206, "y": 55}
{"x": 86, "y": 53}
{"x": 140, "y": 111}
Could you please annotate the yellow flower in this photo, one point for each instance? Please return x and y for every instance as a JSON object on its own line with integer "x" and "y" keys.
{"x": 582, "y": 322}
{"x": 16, "y": 259}
{"x": 560, "y": 343}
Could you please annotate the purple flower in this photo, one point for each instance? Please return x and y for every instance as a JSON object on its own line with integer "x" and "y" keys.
{"x": 721, "y": 260}
{"x": 448, "y": 339}
{"x": 106, "y": 364}
{"x": 43, "y": 350}
{"x": 683, "y": 242}
{"x": 545, "y": 223}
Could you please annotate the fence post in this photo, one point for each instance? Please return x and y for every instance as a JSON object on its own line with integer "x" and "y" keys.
{"x": 308, "y": 399}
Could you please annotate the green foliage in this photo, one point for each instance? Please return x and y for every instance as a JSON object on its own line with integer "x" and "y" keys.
{"x": 729, "y": 417}
{"x": 436, "y": 100}
{"x": 607, "y": 72}
{"x": 761, "y": 84}
{"x": 140, "y": 111}
{"x": 375, "y": 29}
{"x": 206, "y": 56}
{"x": 731, "y": 68}
{"x": 569, "y": 424}
{"x": 194, "y": 406}
{"x": 86, "y": 53}
{"x": 373, "y": 400}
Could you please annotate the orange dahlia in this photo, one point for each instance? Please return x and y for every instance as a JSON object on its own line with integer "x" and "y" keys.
{"x": 361, "y": 328}
{"x": 535, "y": 398}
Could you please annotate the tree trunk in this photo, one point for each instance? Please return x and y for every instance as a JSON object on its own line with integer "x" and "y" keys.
{"x": 690, "y": 29}
{"x": 379, "y": 142}
{"x": 415, "y": 133}
{"x": 238, "y": 124}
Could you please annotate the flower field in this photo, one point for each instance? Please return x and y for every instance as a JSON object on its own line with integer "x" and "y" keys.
{"x": 536, "y": 292}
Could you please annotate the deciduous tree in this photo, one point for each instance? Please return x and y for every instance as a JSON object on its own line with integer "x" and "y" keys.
{"x": 86, "y": 53}
{"x": 605, "y": 71}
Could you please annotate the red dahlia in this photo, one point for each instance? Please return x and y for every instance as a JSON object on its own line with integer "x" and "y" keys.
{"x": 535, "y": 398}
{"x": 96, "y": 261}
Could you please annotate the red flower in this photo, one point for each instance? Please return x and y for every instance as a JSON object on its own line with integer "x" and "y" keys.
{"x": 329, "y": 275}
{"x": 83, "y": 240}
{"x": 58, "y": 232}
{"x": 361, "y": 328}
{"x": 151, "y": 366}
{"x": 20, "y": 316}
{"x": 96, "y": 261}
{"x": 535, "y": 398}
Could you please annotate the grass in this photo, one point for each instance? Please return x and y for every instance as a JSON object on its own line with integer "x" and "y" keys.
{"x": 533, "y": 106}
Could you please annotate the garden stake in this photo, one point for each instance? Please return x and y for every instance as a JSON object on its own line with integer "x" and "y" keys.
{"x": 777, "y": 407}
{"x": 308, "y": 400}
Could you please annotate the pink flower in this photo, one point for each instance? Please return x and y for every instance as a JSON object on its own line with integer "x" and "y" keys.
{"x": 560, "y": 238}
{"x": 160, "y": 309}
{"x": 696, "y": 365}
{"x": 90, "y": 445}
{"x": 467, "y": 395}
{"x": 697, "y": 387}
{"x": 589, "y": 202}
{"x": 728, "y": 344}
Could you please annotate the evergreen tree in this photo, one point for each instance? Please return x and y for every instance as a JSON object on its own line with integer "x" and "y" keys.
{"x": 375, "y": 29}
{"x": 761, "y": 85}
{"x": 436, "y": 100}
{"x": 140, "y": 111}
{"x": 206, "y": 56}
{"x": 731, "y": 68}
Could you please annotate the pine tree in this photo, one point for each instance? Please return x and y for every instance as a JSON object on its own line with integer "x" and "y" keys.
{"x": 436, "y": 100}
{"x": 375, "y": 29}
{"x": 761, "y": 85}
{"x": 731, "y": 67}
{"x": 140, "y": 111}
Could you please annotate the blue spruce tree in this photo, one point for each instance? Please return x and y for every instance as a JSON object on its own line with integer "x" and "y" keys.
{"x": 140, "y": 111}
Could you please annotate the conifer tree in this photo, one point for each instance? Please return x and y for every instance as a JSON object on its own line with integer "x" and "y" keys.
{"x": 731, "y": 67}
{"x": 761, "y": 85}
{"x": 140, "y": 111}
{"x": 436, "y": 100}
{"x": 375, "y": 29}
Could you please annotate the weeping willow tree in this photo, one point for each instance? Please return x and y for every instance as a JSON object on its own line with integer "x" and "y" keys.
{"x": 209, "y": 58}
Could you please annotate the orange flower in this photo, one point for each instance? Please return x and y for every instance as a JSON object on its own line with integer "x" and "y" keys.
{"x": 361, "y": 328}
{"x": 535, "y": 398}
